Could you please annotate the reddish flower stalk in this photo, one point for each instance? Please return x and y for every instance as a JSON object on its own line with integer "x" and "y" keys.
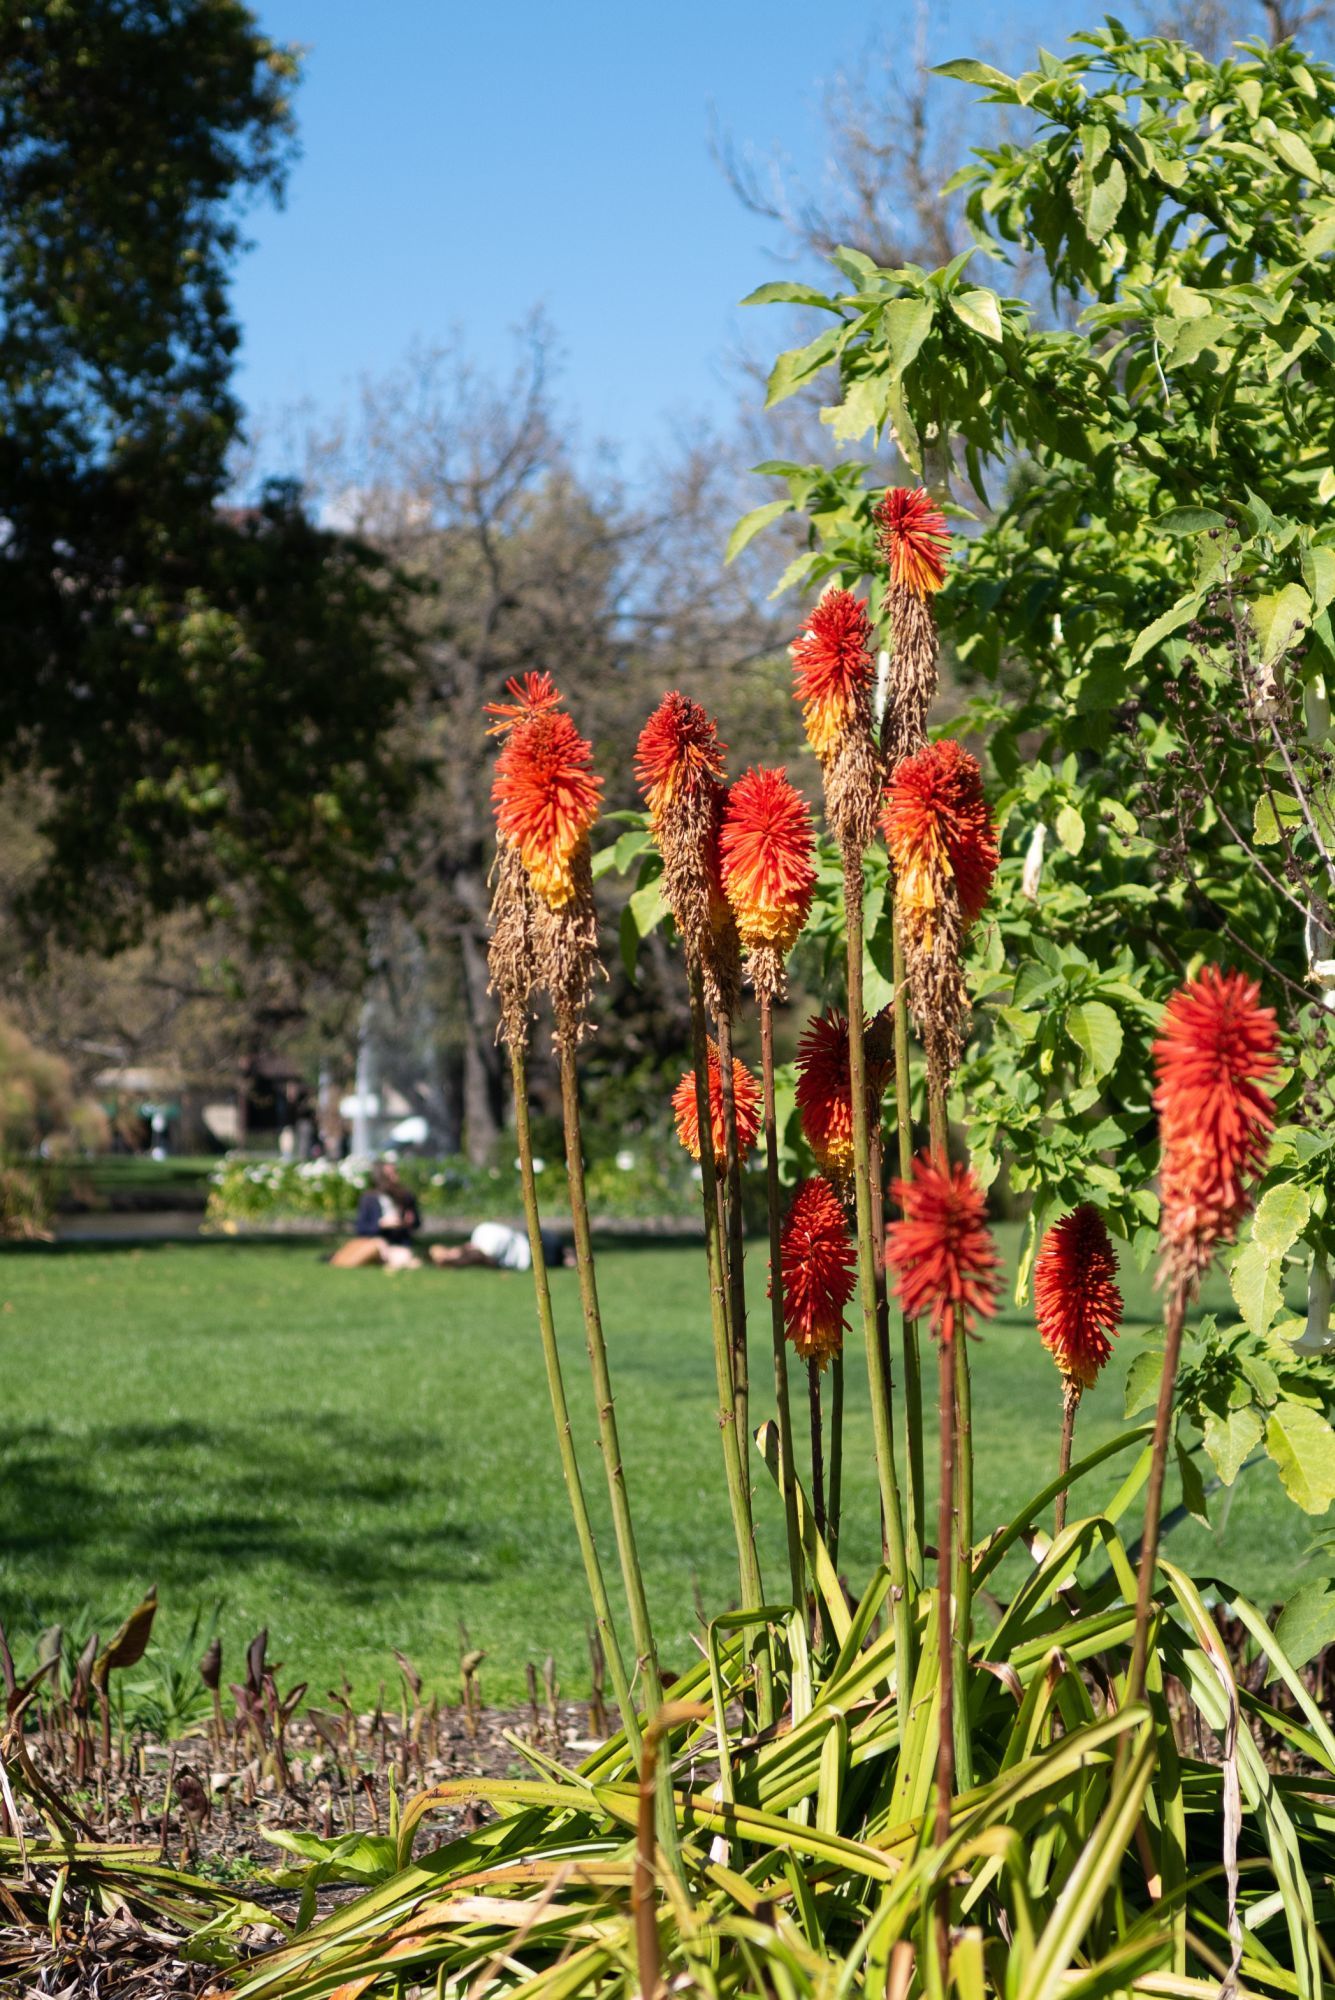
{"x": 941, "y": 842}
{"x": 546, "y": 797}
{"x": 679, "y": 766}
{"x": 769, "y": 875}
{"x": 833, "y": 673}
{"x": 1078, "y": 1306}
{"x": 914, "y": 541}
{"x": 1077, "y": 1303}
{"x": 1216, "y": 1048}
{"x": 746, "y": 1098}
{"x": 535, "y": 694}
{"x": 946, "y": 1268}
{"x": 825, "y": 1094}
{"x": 817, "y": 1266}
{"x": 945, "y": 1263}
{"x": 833, "y": 669}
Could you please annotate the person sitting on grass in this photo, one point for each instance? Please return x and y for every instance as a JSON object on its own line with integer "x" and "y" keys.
{"x": 494, "y": 1246}
{"x": 387, "y": 1216}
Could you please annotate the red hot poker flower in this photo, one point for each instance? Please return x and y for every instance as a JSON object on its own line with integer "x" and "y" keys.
{"x": 546, "y": 799}
{"x": 766, "y": 847}
{"x": 817, "y": 1262}
{"x": 1216, "y": 1046}
{"x": 746, "y": 1103}
{"x": 678, "y": 752}
{"x": 914, "y": 539}
{"x": 1077, "y": 1303}
{"x": 935, "y": 814}
{"x": 535, "y": 695}
{"x": 944, "y": 1260}
{"x": 833, "y": 669}
{"x": 825, "y": 1092}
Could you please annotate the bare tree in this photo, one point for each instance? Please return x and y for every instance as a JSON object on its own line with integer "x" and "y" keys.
{"x": 525, "y": 562}
{"x": 890, "y": 153}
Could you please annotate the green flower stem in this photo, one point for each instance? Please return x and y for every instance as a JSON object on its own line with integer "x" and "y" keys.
{"x": 817, "y": 1451}
{"x": 736, "y": 1235}
{"x": 739, "y": 1492}
{"x": 818, "y": 1514}
{"x": 632, "y": 1576}
{"x": 961, "y": 1402}
{"x": 835, "y": 1499}
{"x": 782, "y": 1403}
{"x": 593, "y": 1569}
{"x": 892, "y": 1514}
{"x": 963, "y": 1557}
{"x": 882, "y": 1294}
{"x": 1174, "y": 1317}
{"x": 912, "y": 1377}
{"x": 1071, "y": 1392}
{"x": 945, "y": 1748}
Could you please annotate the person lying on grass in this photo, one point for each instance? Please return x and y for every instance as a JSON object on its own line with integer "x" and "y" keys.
{"x": 494, "y": 1246}
{"x": 387, "y": 1216}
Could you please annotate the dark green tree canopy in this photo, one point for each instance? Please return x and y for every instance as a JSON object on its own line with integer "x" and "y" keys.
{"x": 202, "y": 695}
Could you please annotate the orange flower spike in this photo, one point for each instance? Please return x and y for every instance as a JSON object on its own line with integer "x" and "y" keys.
{"x": 746, "y": 1103}
{"x": 546, "y": 798}
{"x": 536, "y": 694}
{"x": 766, "y": 847}
{"x": 914, "y": 539}
{"x": 817, "y": 1265}
{"x": 943, "y": 1257}
{"x": 936, "y": 820}
{"x": 1216, "y": 1047}
{"x": 678, "y": 752}
{"x": 1077, "y": 1303}
{"x": 825, "y": 1093}
{"x": 833, "y": 669}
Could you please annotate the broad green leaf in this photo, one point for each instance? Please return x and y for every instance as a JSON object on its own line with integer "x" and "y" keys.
{"x": 1319, "y": 576}
{"x": 1281, "y": 1217}
{"x": 965, "y": 69}
{"x": 1302, "y": 1445}
{"x": 1254, "y": 1280}
{"x": 1097, "y": 1033}
{"x": 783, "y": 293}
{"x": 1071, "y": 829}
{"x": 752, "y": 524}
{"x": 979, "y": 310}
{"x": 1296, "y": 153}
{"x": 1105, "y": 201}
{"x": 1193, "y": 1486}
{"x": 862, "y": 410}
{"x": 1230, "y": 1439}
{"x": 642, "y": 914}
{"x": 1188, "y": 520}
{"x": 1142, "y": 1381}
{"x": 1307, "y": 1622}
{"x": 907, "y": 323}
{"x": 632, "y": 844}
{"x": 905, "y": 430}
{"x": 1181, "y": 614}
{"x": 794, "y": 366}
{"x": 1273, "y": 813}
{"x": 1281, "y": 616}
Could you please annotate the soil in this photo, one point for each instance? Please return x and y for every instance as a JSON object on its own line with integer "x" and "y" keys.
{"x": 208, "y": 1802}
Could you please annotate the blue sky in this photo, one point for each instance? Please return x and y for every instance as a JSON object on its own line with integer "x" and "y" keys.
{"x": 463, "y": 164}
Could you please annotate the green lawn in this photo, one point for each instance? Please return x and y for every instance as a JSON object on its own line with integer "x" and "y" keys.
{"x": 361, "y": 1462}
